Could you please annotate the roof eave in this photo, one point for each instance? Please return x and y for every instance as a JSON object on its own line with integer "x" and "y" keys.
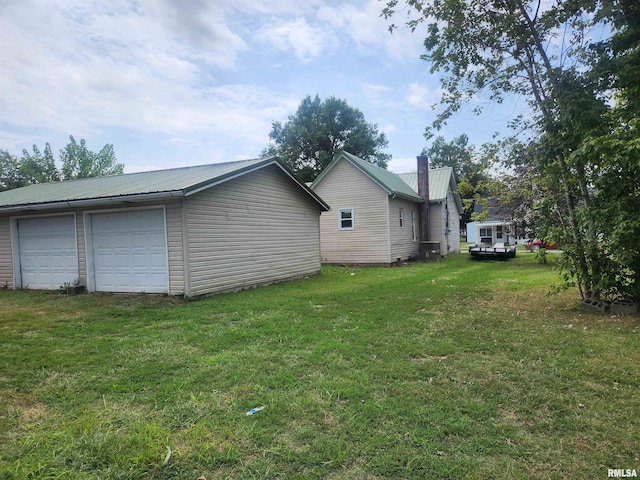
{"x": 407, "y": 197}
{"x": 92, "y": 202}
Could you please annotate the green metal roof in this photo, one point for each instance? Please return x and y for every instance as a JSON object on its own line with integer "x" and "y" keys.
{"x": 441, "y": 180}
{"x": 389, "y": 181}
{"x": 175, "y": 182}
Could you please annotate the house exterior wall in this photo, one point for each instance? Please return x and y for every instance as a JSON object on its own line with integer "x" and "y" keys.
{"x": 437, "y": 225}
{"x": 175, "y": 247}
{"x": 174, "y": 242}
{"x": 402, "y": 241}
{"x": 454, "y": 224}
{"x": 252, "y": 230}
{"x": 6, "y": 259}
{"x": 344, "y": 186}
{"x": 473, "y": 233}
{"x": 443, "y": 230}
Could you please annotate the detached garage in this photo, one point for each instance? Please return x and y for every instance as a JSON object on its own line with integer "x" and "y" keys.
{"x": 187, "y": 231}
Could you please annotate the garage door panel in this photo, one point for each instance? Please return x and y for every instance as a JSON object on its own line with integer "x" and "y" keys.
{"x": 130, "y": 251}
{"x": 48, "y": 251}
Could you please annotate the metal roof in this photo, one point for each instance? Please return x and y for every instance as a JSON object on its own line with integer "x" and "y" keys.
{"x": 175, "y": 182}
{"x": 388, "y": 181}
{"x": 441, "y": 180}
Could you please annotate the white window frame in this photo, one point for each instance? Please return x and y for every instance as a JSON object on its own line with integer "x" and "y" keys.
{"x": 401, "y": 213}
{"x": 353, "y": 218}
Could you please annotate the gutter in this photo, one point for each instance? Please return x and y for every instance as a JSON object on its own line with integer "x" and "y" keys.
{"x": 91, "y": 202}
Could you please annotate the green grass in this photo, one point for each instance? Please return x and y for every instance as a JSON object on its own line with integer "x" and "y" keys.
{"x": 457, "y": 369}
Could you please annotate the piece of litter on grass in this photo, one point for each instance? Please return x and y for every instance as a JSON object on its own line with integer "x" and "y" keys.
{"x": 166, "y": 459}
{"x": 352, "y": 274}
{"x": 255, "y": 410}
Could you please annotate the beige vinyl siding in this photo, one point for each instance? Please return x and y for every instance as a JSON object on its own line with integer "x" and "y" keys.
{"x": 454, "y": 225}
{"x": 6, "y": 259}
{"x": 402, "y": 244}
{"x": 174, "y": 246}
{"x": 255, "y": 229}
{"x": 437, "y": 226}
{"x": 449, "y": 241}
{"x": 344, "y": 186}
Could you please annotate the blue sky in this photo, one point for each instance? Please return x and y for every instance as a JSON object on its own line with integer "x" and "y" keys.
{"x": 174, "y": 83}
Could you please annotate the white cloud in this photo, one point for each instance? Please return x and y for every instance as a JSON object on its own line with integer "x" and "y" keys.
{"x": 299, "y": 36}
{"x": 403, "y": 165}
{"x": 369, "y": 30}
{"x": 422, "y": 96}
{"x": 152, "y": 71}
{"x": 200, "y": 26}
{"x": 77, "y": 67}
{"x": 389, "y": 128}
{"x": 13, "y": 143}
{"x": 376, "y": 92}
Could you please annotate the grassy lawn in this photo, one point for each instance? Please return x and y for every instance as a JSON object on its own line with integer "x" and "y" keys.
{"x": 458, "y": 369}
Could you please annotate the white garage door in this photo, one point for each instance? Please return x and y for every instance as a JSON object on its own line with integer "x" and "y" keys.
{"x": 48, "y": 252}
{"x": 130, "y": 251}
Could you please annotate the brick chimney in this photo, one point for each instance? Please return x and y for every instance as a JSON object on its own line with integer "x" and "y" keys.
{"x": 423, "y": 191}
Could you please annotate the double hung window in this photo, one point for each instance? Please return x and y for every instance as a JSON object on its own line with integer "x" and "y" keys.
{"x": 346, "y": 219}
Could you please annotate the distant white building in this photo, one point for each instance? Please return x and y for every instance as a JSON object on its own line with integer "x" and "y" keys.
{"x": 497, "y": 227}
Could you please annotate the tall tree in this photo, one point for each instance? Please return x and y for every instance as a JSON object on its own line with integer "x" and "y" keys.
{"x": 318, "y": 130}
{"x": 613, "y": 153}
{"x": 36, "y": 167}
{"x": 500, "y": 48}
{"x": 9, "y": 171}
{"x": 80, "y": 162}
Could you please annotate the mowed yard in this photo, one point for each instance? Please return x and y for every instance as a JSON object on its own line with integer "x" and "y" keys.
{"x": 457, "y": 369}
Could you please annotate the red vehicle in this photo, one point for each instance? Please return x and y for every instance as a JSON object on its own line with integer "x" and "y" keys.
{"x": 537, "y": 244}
